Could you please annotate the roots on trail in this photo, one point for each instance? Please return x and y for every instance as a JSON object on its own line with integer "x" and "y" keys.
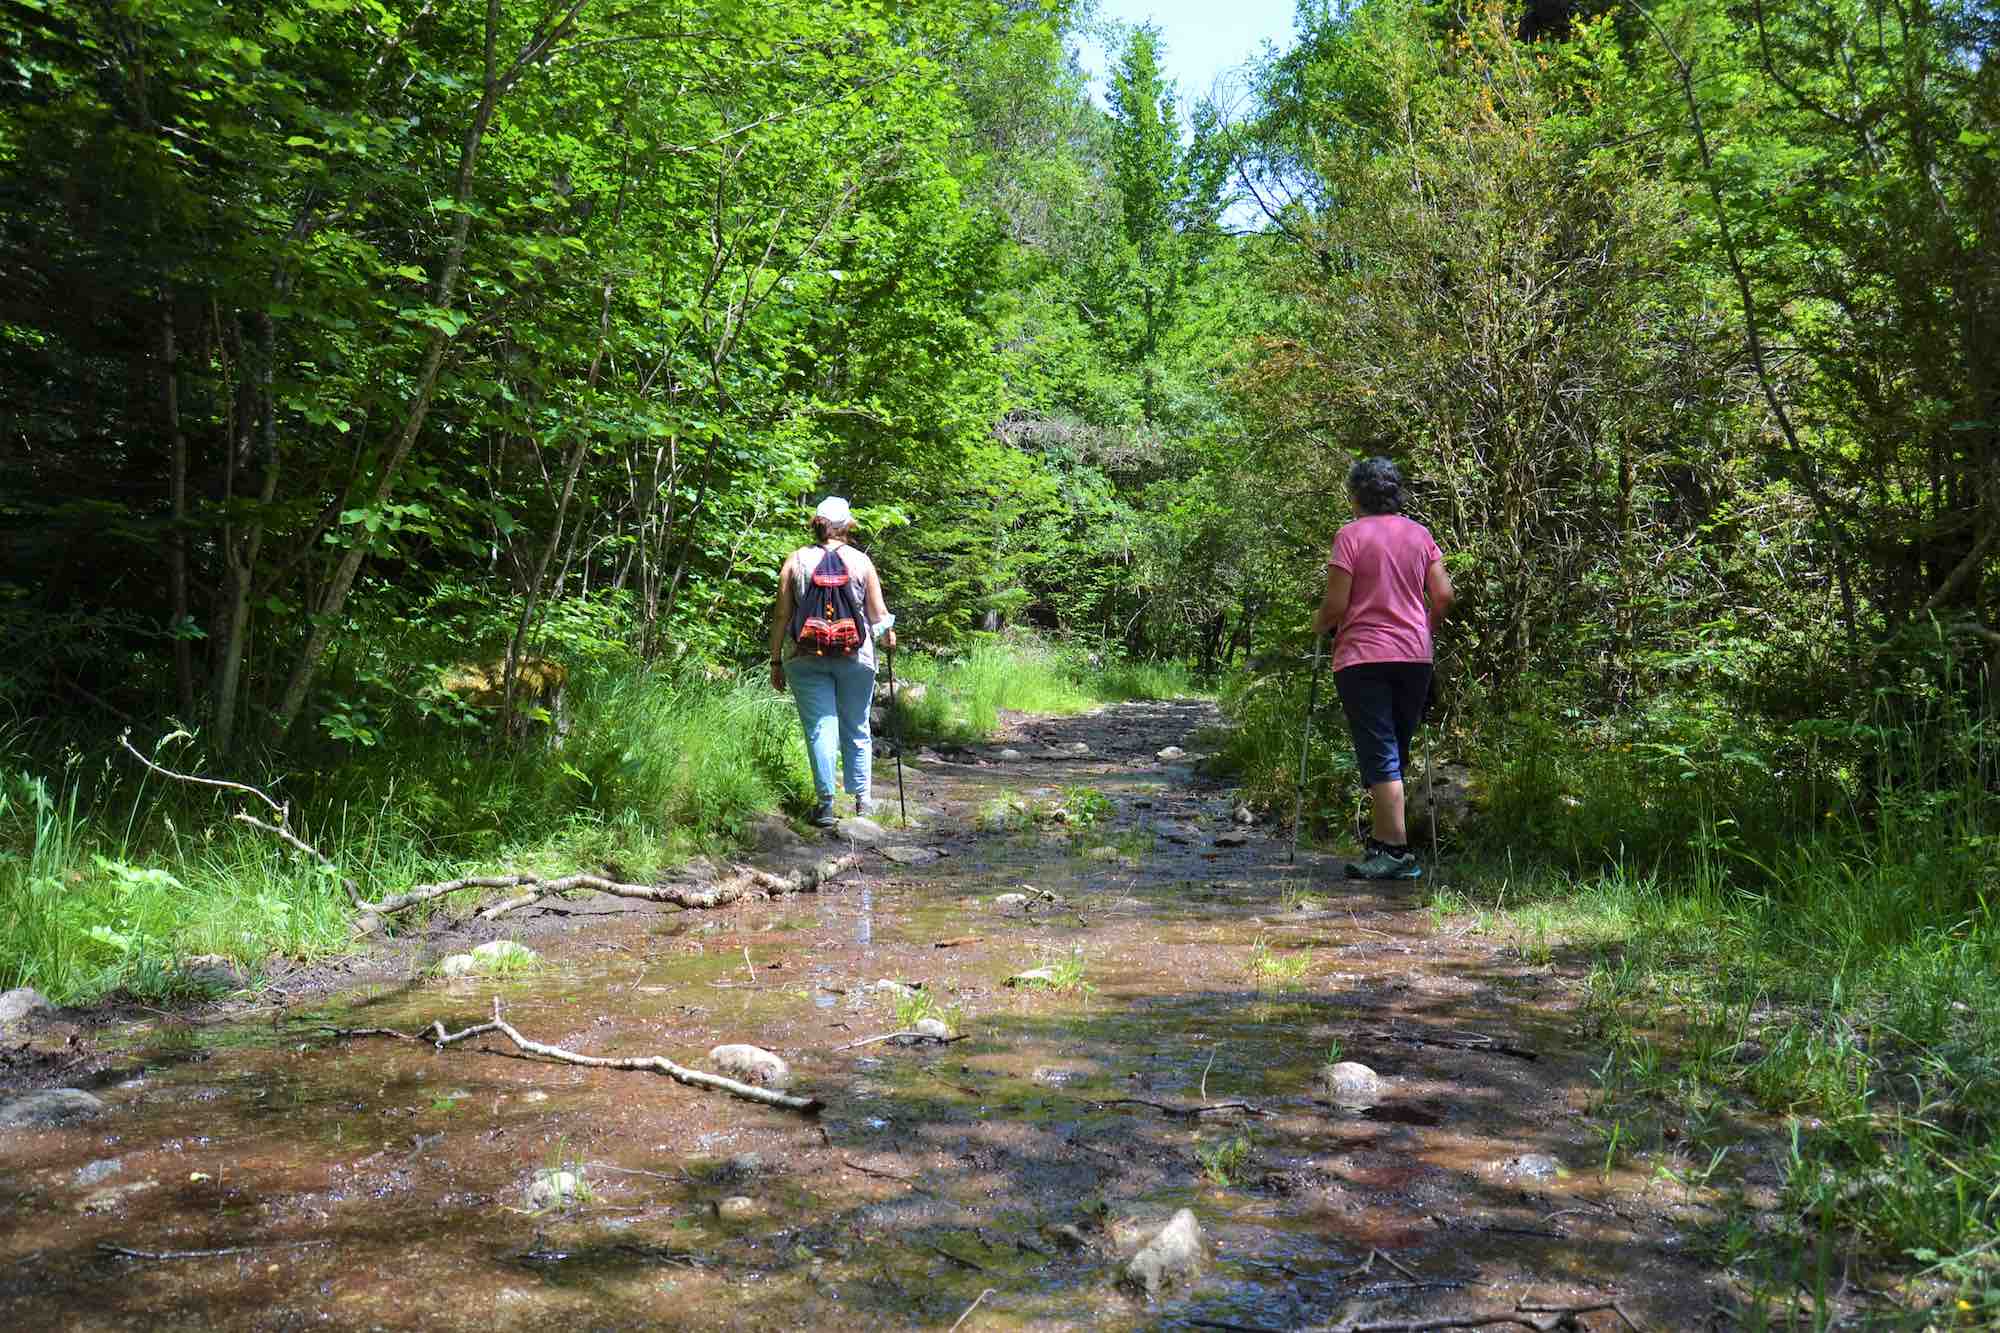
{"x": 437, "y": 1036}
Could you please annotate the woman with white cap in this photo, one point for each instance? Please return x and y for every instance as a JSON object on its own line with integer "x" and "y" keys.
{"x": 829, "y": 614}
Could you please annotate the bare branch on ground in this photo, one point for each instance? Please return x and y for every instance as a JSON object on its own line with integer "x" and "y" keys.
{"x": 659, "y": 1064}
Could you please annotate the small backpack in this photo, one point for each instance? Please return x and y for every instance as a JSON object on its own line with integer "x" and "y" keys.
{"x": 828, "y": 620}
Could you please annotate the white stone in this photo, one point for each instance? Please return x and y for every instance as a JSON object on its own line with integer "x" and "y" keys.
{"x": 1171, "y": 753}
{"x": 552, "y": 1189}
{"x": 1171, "y": 1257}
{"x": 1010, "y": 900}
{"x": 750, "y": 1064}
{"x": 931, "y": 1027}
{"x": 864, "y": 831}
{"x": 496, "y": 955}
{"x": 737, "y": 1208}
{"x": 24, "y": 1002}
{"x": 214, "y": 971}
{"x": 912, "y": 856}
{"x": 457, "y": 965}
{"x": 1034, "y": 976}
{"x": 1350, "y": 1084}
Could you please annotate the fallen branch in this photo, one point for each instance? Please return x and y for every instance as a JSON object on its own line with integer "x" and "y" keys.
{"x": 720, "y": 894}
{"x": 280, "y": 830}
{"x": 1498, "y": 1229}
{"x": 1185, "y": 1112}
{"x": 122, "y": 1252}
{"x": 1562, "y": 1319}
{"x": 1367, "y": 1266}
{"x": 920, "y": 1039}
{"x": 660, "y": 1064}
{"x": 853, "y": 1165}
{"x": 1468, "y": 1041}
{"x": 969, "y": 1309}
{"x": 957, "y": 940}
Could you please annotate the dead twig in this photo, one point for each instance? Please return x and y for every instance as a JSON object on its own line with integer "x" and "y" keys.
{"x": 957, "y": 940}
{"x": 123, "y": 1252}
{"x": 1184, "y": 1112}
{"x": 851, "y": 1164}
{"x": 1498, "y": 1229}
{"x": 660, "y": 1064}
{"x": 918, "y": 1038}
{"x": 1367, "y": 1266}
{"x": 1562, "y": 1319}
{"x": 1464, "y": 1041}
{"x": 280, "y": 830}
{"x": 1612, "y": 1306}
{"x": 969, "y": 1309}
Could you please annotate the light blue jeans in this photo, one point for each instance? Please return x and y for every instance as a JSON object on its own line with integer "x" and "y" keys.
{"x": 834, "y": 695}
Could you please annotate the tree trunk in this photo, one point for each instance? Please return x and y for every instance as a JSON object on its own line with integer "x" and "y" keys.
{"x": 177, "y": 553}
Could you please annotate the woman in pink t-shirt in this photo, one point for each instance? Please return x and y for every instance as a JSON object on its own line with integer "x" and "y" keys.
{"x": 1386, "y": 587}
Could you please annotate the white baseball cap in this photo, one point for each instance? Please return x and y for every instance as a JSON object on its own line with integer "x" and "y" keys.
{"x": 835, "y": 511}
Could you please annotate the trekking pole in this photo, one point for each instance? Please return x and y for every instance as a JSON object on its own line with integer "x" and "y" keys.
{"x": 1305, "y": 748}
{"x": 896, "y": 737}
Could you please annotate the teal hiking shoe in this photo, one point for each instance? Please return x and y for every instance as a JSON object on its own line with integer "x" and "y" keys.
{"x": 1381, "y": 863}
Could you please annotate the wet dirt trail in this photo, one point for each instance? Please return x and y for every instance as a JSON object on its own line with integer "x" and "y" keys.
{"x": 370, "y": 1183}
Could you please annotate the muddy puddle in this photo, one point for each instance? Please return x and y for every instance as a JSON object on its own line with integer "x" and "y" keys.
{"x": 304, "y": 1179}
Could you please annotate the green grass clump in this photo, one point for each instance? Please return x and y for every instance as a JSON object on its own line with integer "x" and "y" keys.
{"x": 963, "y": 697}
{"x": 1143, "y": 680}
{"x": 1019, "y": 672}
{"x": 1271, "y": 969}
{"x": 1223, "y": 1161}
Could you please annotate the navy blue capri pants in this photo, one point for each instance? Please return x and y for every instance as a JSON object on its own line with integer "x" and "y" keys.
{"x": 1384, "y": 702}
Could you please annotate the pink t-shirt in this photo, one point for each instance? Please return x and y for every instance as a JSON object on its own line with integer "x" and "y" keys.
{"x": 1388, "y": 620}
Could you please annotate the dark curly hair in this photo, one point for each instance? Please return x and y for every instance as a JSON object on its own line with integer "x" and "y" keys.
{"x": 1376, "y": 486}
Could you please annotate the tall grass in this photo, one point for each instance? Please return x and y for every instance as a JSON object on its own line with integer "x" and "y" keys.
{"x": 109, "y": 876}
{"x": 1780, "y": 938}
{"x": 964, "y": 696}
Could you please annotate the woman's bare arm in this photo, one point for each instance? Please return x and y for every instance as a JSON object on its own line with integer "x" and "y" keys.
{"x": 1333, "y": 604}
{"x": 781, "y": 619}
{"x": 1437, "y": 587}
{"x": 877, "y": 606}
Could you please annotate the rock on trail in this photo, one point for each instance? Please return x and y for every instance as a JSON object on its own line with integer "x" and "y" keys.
{"x": 1172, "y": 1256}
{"x": 750, "y": 1064}
{"x": 50, "y": 1109}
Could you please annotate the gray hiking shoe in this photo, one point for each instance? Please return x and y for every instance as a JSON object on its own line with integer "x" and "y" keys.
{"x": 1383, "y": 864}
{"x": 867, "y": 808}
{"x": 823, "y": 814}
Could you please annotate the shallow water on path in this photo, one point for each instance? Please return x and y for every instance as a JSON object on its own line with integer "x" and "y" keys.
{"x": 375, "y": 1183}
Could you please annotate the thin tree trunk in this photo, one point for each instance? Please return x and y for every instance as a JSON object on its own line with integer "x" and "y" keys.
{"x": 177, "y": 552}
{"x": 239, "y": 561}
{"x": 333, "y": 600}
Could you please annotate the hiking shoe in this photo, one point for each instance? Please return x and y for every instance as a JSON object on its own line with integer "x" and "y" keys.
{"x": 1384, "y": 864}
{"x": 866, "y": 808}
{"x": 823, "y": 814}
